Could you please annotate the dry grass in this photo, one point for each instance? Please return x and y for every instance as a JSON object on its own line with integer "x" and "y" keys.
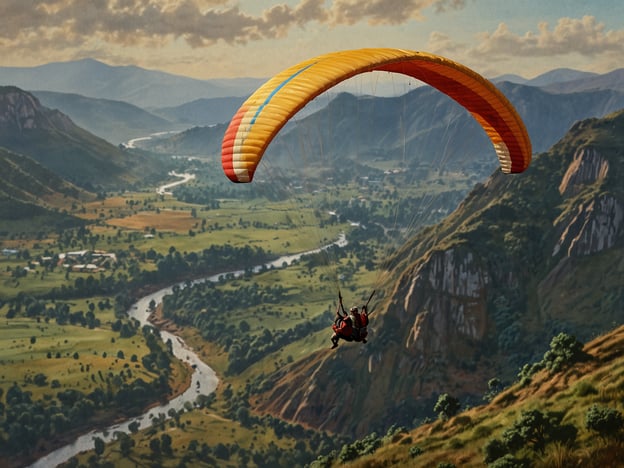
{"x": 165, "y": 220}
{"x": 461, "y": 439}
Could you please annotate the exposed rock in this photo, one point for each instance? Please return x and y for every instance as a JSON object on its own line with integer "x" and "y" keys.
{"x": 587, "y": 167}
{"x": 446, "y": 296}
{"x": 20, "y": 111}
{"x": 597, "y": 223}
{"x": 595, "y": 227}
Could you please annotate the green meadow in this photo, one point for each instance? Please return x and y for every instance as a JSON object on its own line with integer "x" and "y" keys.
{"x": 67, "y": 354}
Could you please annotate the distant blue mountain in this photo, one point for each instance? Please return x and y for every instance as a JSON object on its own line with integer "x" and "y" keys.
{"x": 558, "y": 76}
{"x": 517, "y": 79}
{"x": 202, "y": 111}
{"x": 144, "y": 88}
{"x": 115, "y": 121}
{"x": 417, "y": 126}
{"x": 613, "y": 80}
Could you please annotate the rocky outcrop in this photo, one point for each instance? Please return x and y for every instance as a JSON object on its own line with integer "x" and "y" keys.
{"x": 587, "y": 167}
{"x": 21, "y": 111}
{"x": 445, "y": 297}
{"x": 596, "y": 223}
{"x": 595, "y": 226}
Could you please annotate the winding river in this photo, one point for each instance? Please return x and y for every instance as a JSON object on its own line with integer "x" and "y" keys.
{"x": 204, "y": 379}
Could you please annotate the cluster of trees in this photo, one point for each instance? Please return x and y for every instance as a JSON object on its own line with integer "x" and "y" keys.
{"x": 353, "y": 450}
{"x": 59, "y": 311}
{"x": 174, "y": 265}
{"x": 209, "y": 309}
{"x": 246, "y": 349}
{"x": 183, "y": 304}
{"x": 534, "y": 430}
{"x": 391, "y": 209}
{"x": 24, "y": 422}
{"x": 565, "y": 350}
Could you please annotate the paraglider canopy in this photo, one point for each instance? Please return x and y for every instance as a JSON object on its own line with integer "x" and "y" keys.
{"x": 268, "y": 109}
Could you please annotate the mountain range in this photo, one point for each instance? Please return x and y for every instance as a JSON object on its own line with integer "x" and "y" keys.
{"x": 46, "y": 157}
{"x": 469, "y": 299}
{"x": 115, "y": 121}
{"x": 51, "y": 137}
{"x": 480, "y": 294}
{"x": 138, "y": 86}
{"x": 421, "y": 128}
{"x": 152, "y": 89}
{"x": 122, "y": 103}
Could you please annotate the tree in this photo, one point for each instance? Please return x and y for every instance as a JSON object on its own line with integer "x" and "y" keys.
{"x": 494, "y": 449}
{"x": 607, "y": 422}
{"x": 564, "y": 351}
{"x": 494, "y": 388}
{"x": 125, "y": 444}
{"x": 221, "y": 451}
{"x": 415, "y": 450}
{"x": 99, "y": 445}
{"x": 347, "y": 453}
{"x": 447, "y": 406}
{"x": 535, "y": 429}
{"x": 509, "y": 461}
{"x": 41, "y": 380}
{"x": 155, "y": 446}
{"x": 165, "y": 444}
{"x": 242, "y": 415}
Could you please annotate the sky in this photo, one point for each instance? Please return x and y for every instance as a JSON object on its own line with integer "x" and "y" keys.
{"x": 208, "y": 39}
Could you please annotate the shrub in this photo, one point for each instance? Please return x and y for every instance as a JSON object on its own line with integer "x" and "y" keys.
{"x": 455, "y": 443}
{"x": 607, "y": 422}
{"x": 481, "y": 431}
{"x": 564, "y": 351}
{"x": 494, "y": 449}
{"x": 446, "y": 406}
{"x": 414, "y": 451}
{"x": 509, "y": 461}
{"x": 463, "y": 420}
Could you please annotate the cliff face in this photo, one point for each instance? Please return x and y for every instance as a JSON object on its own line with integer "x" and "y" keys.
{"x": 597, "y": 223}
{"x": 488, "y": 292}
{"x": 20, "y": 111}
{"x": 445, "y": 298}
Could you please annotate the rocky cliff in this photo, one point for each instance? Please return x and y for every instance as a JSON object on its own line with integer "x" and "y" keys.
{"x": 20, "y": 111}
{"x": 524, "y": 257}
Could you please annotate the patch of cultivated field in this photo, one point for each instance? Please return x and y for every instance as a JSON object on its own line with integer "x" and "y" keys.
{"x": 163, "y": 220}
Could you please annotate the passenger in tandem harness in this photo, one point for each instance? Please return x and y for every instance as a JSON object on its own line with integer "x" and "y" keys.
{"x": 351, "y": 326}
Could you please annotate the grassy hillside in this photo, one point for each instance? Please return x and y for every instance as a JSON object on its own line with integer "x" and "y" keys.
{"x": 569, "y": 394}
{"x": 34, "y": 198}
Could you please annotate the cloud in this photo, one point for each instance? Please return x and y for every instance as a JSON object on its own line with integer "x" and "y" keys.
{"x": 443, "y": 44}
{"x": 584, "y": 36}
{"x": 156, "y": 22}
{"x": 392, "y": 12}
